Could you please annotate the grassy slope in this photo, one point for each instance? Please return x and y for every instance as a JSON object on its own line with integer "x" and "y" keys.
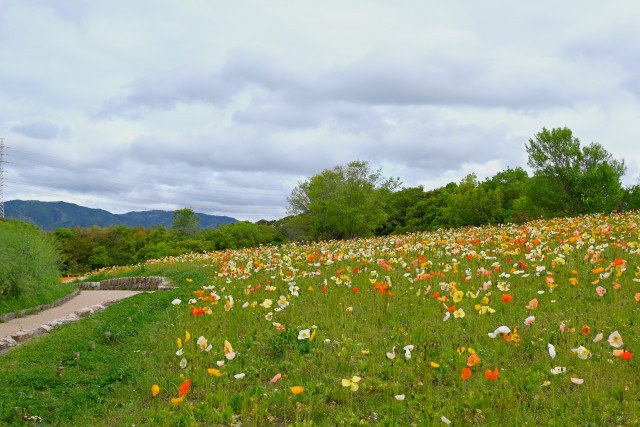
{"x": 47, "y": 293}
{"x": 110, "y": 385}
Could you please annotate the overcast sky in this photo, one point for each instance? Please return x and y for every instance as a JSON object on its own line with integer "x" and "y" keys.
{"x": 224, "y": 106}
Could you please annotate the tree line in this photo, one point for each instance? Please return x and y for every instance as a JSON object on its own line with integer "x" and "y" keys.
{"x": 84, "y": 249}
{"x": 355, "y": 200}
{"x": 568, "y": 179}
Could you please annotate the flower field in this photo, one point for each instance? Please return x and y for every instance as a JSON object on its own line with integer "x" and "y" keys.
{"x": 535, "y": 324}
{"x": 514, "y": 324}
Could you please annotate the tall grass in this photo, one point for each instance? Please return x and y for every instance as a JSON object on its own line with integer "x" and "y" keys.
{"x": 29, "y": 267}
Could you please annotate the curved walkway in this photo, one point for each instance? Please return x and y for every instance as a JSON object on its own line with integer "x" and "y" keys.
{"x": 84, "y": 300}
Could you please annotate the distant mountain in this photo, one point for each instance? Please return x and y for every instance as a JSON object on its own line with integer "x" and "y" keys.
{"x": 52, "y": 215}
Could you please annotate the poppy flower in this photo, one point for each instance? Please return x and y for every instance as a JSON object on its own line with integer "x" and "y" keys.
{"x": 585, "y": 330}
{"x": 276, "y": 377}
{"x": 533, "y": 304}
{"x": 399, "y": 397}
{"x": 214, "y": 372}
{"x": 582, "y": 352}
{"x": 601, "y": 291}
{"x": 177, "y": 400}
{"x": 491, "y": 375}
{"x": 304, "y": 334}
{"x": 228, "y": 351}
{"x": 407, "y": 351}
{"x": 391, "y": 354}
{"x": 457, "y": 296}
{"x": 552, "y": 350}
{"x": 506, "y": 298}
{"x": 184, "y": 388}
{"x": 501, "y": 330}
{"x": 296, "y": 389}
{"x": 615, "y": 339}
{"x": 577, "y": 380}
{"x": 626, "y": 355}
{"x": 155, "y": 389}
{"x": 529, "y": 320}
{"x": 466, "y": 373}
{"x": 352, "y": 383}
{"x": 473, "y": 360}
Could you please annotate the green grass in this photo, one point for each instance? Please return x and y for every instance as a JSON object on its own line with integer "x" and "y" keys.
{"x": 111, "y": 384}
{"x": 46, "y": 294}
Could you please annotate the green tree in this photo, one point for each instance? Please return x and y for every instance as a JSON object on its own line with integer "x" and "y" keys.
{"x": 185, "y": 222}
{"x": 344, "y": 202}
{"x": 569, "y": 179}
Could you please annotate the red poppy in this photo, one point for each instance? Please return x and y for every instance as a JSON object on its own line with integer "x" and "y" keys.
{"x": 585, "y": 330}
{"x": 626, "y": 355}
{"x": 451, "y": 309}
{"x": 491, "y": 375}
{"x": 466, "y": 373}
{"x": 184, "y": 388}
{"x": 355, "y": 290}
{"x": 198, "y": 311}
{"x": 507, "y": 298}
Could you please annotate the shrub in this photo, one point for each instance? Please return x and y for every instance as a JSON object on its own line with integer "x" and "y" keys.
{"x": 29, "y": 259}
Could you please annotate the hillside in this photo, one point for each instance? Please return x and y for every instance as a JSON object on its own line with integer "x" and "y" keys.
{"x": 52, "y": 215}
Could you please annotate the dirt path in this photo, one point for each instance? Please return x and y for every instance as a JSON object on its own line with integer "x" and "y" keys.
{"x": 82, "y": 300}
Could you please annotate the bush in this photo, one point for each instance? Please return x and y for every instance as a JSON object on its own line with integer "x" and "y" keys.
{"x": 29, "y": 259}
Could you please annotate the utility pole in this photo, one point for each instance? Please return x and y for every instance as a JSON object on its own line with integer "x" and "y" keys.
{"x": 1, "y": 178}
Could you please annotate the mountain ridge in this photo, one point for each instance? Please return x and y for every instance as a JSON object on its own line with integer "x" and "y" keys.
{"x": 52, "y": 215}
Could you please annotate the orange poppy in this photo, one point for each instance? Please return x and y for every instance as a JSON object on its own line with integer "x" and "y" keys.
{"x": 585, "y": 330}
{"x": 296, "y": 389}
{"x": 466, "y": 373}
{"x": 473, "y": 360}
{"x": 507, "y": 298}
{"x": 491, "y": 375}
{"x": 184, "y": 388}
{"x": 626, "y": 355}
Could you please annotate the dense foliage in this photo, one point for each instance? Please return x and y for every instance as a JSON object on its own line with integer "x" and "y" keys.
{"x": 86, "y": 249}
{"x": 29, "y": 267}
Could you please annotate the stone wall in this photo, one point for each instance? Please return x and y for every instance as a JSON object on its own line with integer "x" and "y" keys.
{"x": 150, "y": 283}
{"x": 10, "y": 316}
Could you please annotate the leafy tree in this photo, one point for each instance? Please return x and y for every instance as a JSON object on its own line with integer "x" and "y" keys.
{"x": 569, "y": 179}
{"x": 344, "y": 202}
{"x": 185, "y": 222}
{"x": 398, "y": 205}
{"x": 631, "y": 198}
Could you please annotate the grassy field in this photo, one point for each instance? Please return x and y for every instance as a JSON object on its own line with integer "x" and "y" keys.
{"x": 457, "y": 326}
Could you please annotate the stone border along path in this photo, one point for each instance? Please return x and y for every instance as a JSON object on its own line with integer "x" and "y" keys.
{"x": 93, "y": 296}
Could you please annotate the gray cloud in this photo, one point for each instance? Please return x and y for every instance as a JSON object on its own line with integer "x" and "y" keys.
{"x": 38, "y": 130}
{"x": 133, "y": 106}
